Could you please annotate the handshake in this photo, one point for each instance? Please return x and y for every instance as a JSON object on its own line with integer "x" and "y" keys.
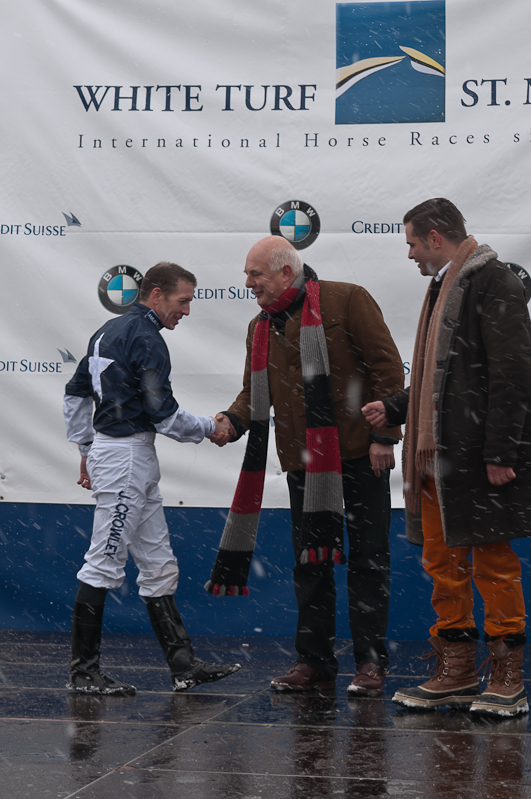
{"x": 224, "y": 431}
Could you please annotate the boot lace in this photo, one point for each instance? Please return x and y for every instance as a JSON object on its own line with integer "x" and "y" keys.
{"x": 500, "y": 669}
{"x": 439, "y": 667}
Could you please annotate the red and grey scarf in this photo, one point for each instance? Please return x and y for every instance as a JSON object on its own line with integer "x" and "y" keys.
{"x": 322, "y": 517}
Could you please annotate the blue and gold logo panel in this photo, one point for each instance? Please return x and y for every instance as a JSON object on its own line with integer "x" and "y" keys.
{"x": 390, "y": 62}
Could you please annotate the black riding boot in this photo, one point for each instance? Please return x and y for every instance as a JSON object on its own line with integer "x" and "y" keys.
{"x": 85, "y": 674}
{"x": 186, "y": 670}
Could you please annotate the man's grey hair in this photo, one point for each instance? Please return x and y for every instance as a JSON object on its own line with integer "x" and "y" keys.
{"x": 284, "y": 255}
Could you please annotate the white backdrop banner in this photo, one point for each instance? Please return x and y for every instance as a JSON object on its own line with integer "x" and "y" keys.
{"x": 137, "y": 132}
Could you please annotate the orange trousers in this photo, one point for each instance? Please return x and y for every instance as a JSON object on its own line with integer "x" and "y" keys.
{"x": 496, "y": 571}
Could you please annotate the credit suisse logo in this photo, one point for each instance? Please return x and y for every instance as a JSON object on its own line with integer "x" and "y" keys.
{"x": 32, "y": 229}
{"x": 31, "y": 366}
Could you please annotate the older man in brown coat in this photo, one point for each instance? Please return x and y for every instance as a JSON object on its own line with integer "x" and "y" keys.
{"x": 359, "y": 364}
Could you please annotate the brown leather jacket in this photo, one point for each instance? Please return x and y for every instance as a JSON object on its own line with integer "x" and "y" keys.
{"x": 364, "y": 366}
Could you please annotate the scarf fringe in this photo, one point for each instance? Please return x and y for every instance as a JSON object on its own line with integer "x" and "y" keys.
{"x": 226, "y": 590}
{"x": 424, "y": 461}
{"x": 319, "y": 555}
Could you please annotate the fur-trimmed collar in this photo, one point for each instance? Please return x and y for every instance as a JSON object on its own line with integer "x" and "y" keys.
{"x": 480, "y": 256}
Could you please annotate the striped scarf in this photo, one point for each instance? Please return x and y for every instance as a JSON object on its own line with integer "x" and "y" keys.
{"x": 322, "y": 517}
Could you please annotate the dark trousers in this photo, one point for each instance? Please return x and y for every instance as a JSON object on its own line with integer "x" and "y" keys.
{"x": 368, "y": 517}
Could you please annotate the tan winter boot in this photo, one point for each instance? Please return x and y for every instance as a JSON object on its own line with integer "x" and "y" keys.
{"x": 505, "y": 693}
{"x": 453, "y": 681}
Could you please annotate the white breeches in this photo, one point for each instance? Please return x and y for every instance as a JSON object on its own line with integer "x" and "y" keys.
{"x": 129, "y": 517}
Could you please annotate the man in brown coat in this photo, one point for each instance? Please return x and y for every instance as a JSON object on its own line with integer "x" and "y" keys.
{"x": 364, "y": 365}
{"x": 467, "y": 466}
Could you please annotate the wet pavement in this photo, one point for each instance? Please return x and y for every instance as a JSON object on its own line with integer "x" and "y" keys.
{"x": 236, "y": 738}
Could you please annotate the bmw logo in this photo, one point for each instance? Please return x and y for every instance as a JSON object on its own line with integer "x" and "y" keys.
{"x": 297, "y": 222}
{"x": 520, "y": 272}
{"x": 119, "y": 288}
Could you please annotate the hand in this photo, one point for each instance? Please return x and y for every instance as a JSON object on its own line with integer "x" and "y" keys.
{"x": 84, "y": 479}
{"x": 382, "y": 456}
{"x": 375, "y": 414}
{"x": 499, "y": 475}
{"x": 224, "y": 431}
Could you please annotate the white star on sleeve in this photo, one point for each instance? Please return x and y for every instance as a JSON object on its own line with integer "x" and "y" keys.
{"x": 97, "y": 365}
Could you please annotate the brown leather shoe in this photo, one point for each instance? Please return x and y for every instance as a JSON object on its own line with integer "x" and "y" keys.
{"x": 301, "y": 678}
{"x": 369, "y": 681}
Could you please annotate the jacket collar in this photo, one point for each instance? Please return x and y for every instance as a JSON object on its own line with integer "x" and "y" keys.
{"x": 147, "y": 313}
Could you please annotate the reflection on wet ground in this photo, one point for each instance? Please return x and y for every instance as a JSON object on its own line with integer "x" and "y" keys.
{"x": 236, "y": 738}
